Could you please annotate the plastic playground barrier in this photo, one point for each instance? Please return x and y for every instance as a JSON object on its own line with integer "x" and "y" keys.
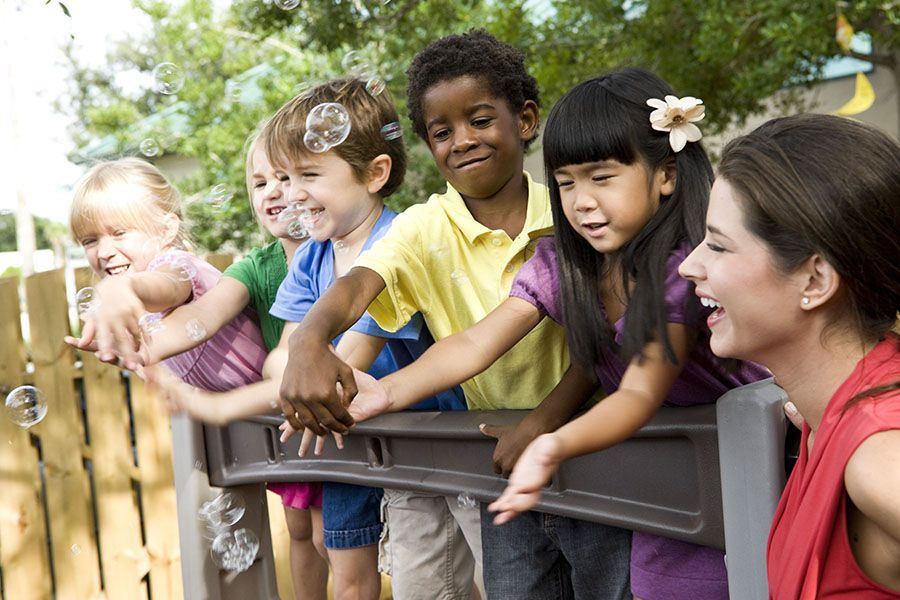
{"x": 710, "y": 475}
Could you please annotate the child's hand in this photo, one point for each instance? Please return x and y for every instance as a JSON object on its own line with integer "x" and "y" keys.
{"x": 535, "y": 467}
{"x": 88, "y": 345}
{"x": 306, "y": 441}
{"x": 372, "y": 398}
{"x": 181, "y": 398}
{"x": 309, "y": 397}
{"x": 511, "y": 442}
{"x": 114, "y": 323}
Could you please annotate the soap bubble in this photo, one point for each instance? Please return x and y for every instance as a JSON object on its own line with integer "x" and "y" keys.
{"x": 86, "y": 301}
{"x": 287, "y": 4}
{"x": 150, "y": 323}
{"x": 327, "y": 125}
{"x": 459, "y": 277}
{"x": 152, "y": 248}
{"x": 218, "y": 195}
{"x": 76, "y": 549}
{"x": 195, "y": 330}
{"x": 375, "y": 86}
{"x": 391, "y": 131}
{"x": 224, "y": 510}
{"x": 25, "y": 406}
{"x": 149, "y": 147}
{"x": 340, "y": 246}
{"x": 356, "y": 65}
{"x": 297, "y": 231}
{"x": 168, "y": 78}
{"x": 464, "y": 500}
{"x": 235, "y": 552}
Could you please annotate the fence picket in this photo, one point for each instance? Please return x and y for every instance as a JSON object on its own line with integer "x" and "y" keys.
{"x": 24, "y": 556}
{"x": 67, "y": 486}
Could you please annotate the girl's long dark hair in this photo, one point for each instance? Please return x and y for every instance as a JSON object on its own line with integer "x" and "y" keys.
{"x": 608, "y": 118}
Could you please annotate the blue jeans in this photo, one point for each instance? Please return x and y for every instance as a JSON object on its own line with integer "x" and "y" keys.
{"x": 538, "y": 556}
{"x": 351, "y": 515}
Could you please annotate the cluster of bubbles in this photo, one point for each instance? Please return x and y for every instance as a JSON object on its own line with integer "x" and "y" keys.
{"x": 232, "y": 551}
{"x": 464, "y": 500}
{"x": 26, "y": 406}
{"x": 327, "y": 125}
{"x": 356, "y": 65}
{"x": 150, "y": 324}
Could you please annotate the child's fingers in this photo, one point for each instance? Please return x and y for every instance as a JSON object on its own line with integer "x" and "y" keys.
{"x": 494, "y": 431}
{"x": 306, "y": 442}
{"x": 286, "y": 432}
{"x": 320, "y": 444}
{"x": 338, "y": 440}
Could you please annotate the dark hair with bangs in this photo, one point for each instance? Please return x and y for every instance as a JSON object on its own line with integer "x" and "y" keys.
{"x": 608, "y": 118}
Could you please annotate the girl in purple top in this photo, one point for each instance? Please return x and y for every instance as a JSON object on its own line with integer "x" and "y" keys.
{"x": 629, "y": 189}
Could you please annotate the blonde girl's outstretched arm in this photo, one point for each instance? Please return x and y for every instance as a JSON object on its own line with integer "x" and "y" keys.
{"x": 617, "y": 417}
{"x": 456, "y": 358}
{"x": 123, "y": 301}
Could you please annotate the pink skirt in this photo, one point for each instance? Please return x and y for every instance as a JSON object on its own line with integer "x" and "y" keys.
{"x": 298, "y": 495}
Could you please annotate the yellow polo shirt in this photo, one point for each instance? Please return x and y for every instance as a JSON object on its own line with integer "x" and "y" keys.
{"x": 438, "y": 260}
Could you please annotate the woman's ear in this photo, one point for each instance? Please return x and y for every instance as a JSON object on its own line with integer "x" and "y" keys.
{"x": 528, "y": 121}
{"x": 378, "y": 173}
{"x": 668, "y": 176}
{"x": 821, "y": 283}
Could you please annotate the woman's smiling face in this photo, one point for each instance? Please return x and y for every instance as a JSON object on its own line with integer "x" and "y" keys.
{"x": 757, "y": 306}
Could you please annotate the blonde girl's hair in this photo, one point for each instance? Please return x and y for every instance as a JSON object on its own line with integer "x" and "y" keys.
{"x": 127, "y": 193}
{"x": 253, "y": 143}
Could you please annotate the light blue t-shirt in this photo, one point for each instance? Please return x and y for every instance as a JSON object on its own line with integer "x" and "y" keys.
{"x": 312, "y": 272}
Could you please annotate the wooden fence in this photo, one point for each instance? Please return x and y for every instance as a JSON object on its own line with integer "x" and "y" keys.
{"x": 87, "y": 500}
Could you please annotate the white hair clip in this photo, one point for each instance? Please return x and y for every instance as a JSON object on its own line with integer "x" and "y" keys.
{"x": 677, "y": 116}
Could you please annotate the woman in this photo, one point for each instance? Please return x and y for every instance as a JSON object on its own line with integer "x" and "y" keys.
{"x": 801, "y": 262}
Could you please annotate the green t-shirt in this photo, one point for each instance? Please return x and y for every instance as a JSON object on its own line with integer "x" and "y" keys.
{"x": 261, "y": 272}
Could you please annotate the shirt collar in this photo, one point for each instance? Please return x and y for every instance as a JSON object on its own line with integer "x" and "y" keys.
{"x": 538, "y": 218}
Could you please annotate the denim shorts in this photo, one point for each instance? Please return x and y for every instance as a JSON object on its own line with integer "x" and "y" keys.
{"x": 351, "y": 515}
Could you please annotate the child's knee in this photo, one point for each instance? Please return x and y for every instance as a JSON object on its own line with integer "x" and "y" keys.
{"x": 299, "y": 524}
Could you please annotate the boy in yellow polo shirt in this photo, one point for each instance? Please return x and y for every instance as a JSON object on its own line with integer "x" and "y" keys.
{"x": 453, "y": 259}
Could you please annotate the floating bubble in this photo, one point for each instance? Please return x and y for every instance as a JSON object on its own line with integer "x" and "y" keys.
{"x": 25, "y": 406}
{"x": 168, "y": 78}
{"x": 304, "y": 88}
{"x": 218, "y": 195}
{"x": 149, "y": 147}
{"x": 352, "y": 61}
{"x": 76, "y": 549}
{"x": 459, "y": 277}
{"x": 198, "y": 465}
{"x": 391, "y": 131}
{"x": 150, "y": 323}
{"x": 329, "y": 121}
{"x": 152, "y": 248}
{"x": 195, "y": 330}
{"x": 86, "y": 301}
{"x": 224, "y": 510}
{"x": 314, "y": 143}
{"x": 235, "y": 552}
{"x": 464, "y": 500}
{"x": 297, "y": 231}
{"x": 340, "y": 246}
{"x": 375, "y": 86}
{"x": 287, "y": 4}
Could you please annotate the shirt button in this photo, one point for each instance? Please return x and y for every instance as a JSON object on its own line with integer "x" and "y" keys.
{"x": 496, "y": 241}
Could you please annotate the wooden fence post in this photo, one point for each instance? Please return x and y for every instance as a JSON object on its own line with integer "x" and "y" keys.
{"x": 123, "y": 557}
{"x": 67, "y": 487}
{"x": 24, "y": 556}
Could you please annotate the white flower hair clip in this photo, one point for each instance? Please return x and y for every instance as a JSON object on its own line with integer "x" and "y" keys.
{"x": 677, "y": 116}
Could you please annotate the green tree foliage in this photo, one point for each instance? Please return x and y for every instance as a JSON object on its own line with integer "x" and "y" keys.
{"x": 241, "y": 65}
{"x": 47, "y": 233}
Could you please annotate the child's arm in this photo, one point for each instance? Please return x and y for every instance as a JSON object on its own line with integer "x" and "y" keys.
{"x": 123, "y": 300}
{"x": 614, "y": 419}
{"x": 453, "y": 359}
{"x": 308, "y": 388}
{"x": 570, "y": 394}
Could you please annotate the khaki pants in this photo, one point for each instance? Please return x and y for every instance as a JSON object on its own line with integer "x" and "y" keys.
{"x": 430, "y": 546}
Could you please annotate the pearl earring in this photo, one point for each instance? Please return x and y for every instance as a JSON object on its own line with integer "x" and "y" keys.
{"x": 805, "y": 301}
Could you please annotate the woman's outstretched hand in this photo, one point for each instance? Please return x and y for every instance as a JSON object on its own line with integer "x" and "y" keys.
{"x": 538, "y": 463}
